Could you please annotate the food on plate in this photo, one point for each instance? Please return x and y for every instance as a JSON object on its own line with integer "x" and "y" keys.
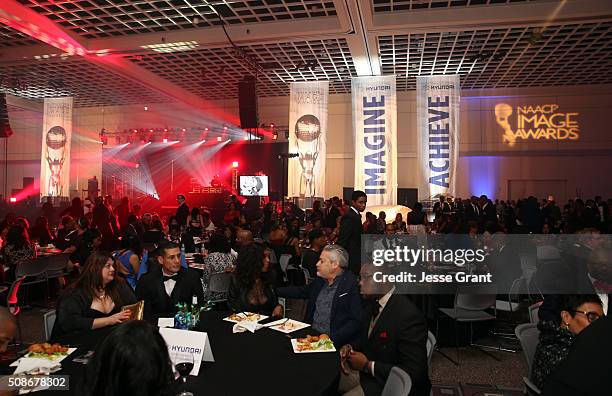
{"x": 314, "y": 343}
{"x": 239, "y": 317}
{"x": 46, "y": 350}
{"x": 288, "y": 325}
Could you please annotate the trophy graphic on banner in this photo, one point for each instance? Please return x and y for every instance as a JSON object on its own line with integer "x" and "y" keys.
{"x": 503, "y": 112}
{"x": 308, "y": 134}
{"x": 55, "y": 154}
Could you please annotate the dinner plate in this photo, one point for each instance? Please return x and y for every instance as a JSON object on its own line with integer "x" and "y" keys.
{"x": 243, "y": 314}
{"x": 295, "y": 350}
{"x": 287, "y": 326}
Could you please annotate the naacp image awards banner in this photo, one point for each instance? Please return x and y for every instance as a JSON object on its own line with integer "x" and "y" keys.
{"x": 55, "y": 155}
{"x": 375, "y": 131}
{"x": 438, "y": 100}
{"x": 307, "y": 136}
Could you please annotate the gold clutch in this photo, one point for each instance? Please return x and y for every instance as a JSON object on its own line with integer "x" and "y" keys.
{"x": 136, "y": 310}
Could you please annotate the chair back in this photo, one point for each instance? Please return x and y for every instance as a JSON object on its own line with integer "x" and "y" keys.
{"x": 431, "y": 345}
{"x": 12, "y": 299}
{"x": 398, "y": 383}
{"x": 29, "y": 268}
{"x": 49, "y": 321}
{"x": 533, "y": 312}
{"x": 284, "y": 262}
{"x": 475, "y": 298}
{"x": 273, "y": 259}
{"x": 529, "y": 337}
{"x": 54, "y": 265}
{"x": 219, "y": 282}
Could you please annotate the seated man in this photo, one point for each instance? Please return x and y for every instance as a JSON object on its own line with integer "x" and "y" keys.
{"x": 310, "y": 256}
{"x": 8, "y": 328}
{"x": 334, "y": 303}
{"x": 394, "y": 333}
{"x": 163, "y": 287}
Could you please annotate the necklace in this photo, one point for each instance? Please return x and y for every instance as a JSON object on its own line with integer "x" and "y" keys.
{"x": 102, "y": 294}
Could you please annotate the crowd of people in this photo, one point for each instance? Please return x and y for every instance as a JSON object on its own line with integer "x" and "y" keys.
{"x": 119, "y": 256}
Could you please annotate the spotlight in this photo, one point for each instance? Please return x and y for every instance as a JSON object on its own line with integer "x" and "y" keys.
{"x": 146, "y": 108}
{"x": 235, "y": 164}
{"x": 218, "y": 138}
{"x": 246, "y": 137}
{"x": 206, "y": 129}
{"x": 271, "y": 126}
{"x": 274, "y": 136}
{"x": 184, "y": 130}
{"x": 225, "y": 127}
{"x": 13, "y": 199}
{"x": 165, "y": 140}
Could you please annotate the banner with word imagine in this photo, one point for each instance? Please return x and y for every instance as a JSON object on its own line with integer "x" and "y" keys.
{"x": 438, "y": 100}
{"x": 55, "y": 155}
{"x": 307, "y": 136}
{"x": 375, "y": 132}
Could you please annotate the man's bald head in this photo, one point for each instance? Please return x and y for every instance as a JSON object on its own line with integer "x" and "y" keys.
{"x": 8, "y": 328}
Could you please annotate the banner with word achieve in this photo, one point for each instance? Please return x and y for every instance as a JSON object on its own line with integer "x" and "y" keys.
{"x": 375, "y": 131}
{"x": 55, "y": 154}
{"x": 307, "y": 136}
{"x": 438, "y": 100}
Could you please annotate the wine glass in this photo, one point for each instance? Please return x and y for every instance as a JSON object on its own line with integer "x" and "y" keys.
{"x": 184, "y": 366}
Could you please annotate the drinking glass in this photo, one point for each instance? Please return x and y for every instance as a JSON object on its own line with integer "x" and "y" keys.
{"x": 184, "y": 366}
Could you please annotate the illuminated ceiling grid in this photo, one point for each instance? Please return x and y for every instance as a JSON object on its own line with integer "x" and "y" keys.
{"x": 214, "y": 73}
{"x": 403, "y": 5}
{"x": 89, "y": 84}
{"x": 513, "y": 57}
{"x": 107, "y": 18}
{"x": 12, "y": 38}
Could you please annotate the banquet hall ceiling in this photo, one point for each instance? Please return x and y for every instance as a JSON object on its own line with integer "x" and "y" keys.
{"x": 202, "y": 49}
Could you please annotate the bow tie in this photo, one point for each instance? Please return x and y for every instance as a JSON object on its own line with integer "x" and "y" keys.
{"x": 165, "y": 278}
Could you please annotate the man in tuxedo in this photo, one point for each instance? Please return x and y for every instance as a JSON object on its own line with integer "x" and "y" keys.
{"x": 169, "y": 284}
{"x": 351, "y": 230}
{"x": 441, "y": 207}
{"x": 334, "y": 303}
{"x": 182, "y": 212}
{"x": 393, "y": 334}
{"x": 330, "y": 214}
{"x": 472, "y": 210}
{"x": 586, "y": 370}
{"x": 488, "y": 212}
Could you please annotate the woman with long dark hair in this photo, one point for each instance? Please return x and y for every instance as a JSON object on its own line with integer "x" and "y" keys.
{"x": 95, "y": 299}
{"x": 219, "y": 259}
{"x": 41, "y": 231}
{"x": 133, "y": 360}
{"x": 194, "y": 222}
{"x": 251, "y": 284}
{"x": 17, "y": 248}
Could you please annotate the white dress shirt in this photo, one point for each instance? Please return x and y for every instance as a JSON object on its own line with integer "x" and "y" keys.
{"x": 169, "y": 284}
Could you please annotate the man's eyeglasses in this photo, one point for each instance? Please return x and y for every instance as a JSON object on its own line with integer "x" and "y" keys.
{"x": 591, "y": 316}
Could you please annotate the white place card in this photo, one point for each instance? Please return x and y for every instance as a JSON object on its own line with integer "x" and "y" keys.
{"x": 184, "y": 344}
{"x": 165, "y": 322}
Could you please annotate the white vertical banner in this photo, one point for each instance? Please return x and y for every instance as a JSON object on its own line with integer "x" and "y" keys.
{"x": 307, "y": 137}
{"x": 375, "y": 131}
{"x": 55, "y": 154}
{"x": 438, "y": 100}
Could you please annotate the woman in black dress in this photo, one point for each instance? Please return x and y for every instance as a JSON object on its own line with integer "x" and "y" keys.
{"x": 251, "y": 287}
{"x": 95, "y": 299}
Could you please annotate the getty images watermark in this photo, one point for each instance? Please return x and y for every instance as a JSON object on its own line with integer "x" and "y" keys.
{"x": 506, "y": 264}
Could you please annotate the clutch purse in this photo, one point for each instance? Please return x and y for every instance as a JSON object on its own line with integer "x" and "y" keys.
{"x": 136, "y": 310}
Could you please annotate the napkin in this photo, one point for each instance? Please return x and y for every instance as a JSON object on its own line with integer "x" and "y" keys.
{"x": 246, "y": 325}
{"x": 27, "y": 365}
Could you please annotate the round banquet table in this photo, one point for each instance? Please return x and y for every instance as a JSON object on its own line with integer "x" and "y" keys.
{"x": 260, "y": 363}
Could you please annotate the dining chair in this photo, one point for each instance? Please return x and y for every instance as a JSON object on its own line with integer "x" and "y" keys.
{"x": 534, "y": 310}
{"x": 12, "y": 301}
{"x": 219, "y": 282}
{"x": 529, "y": 337}
{"x": 471, "y": 303}
{"x": 398, "y": 383}
{"x": 34, "y": 273}
{"x": 431, "y": 346}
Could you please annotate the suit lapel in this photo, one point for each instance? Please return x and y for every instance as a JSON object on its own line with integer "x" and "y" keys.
{"x": 385, "y": 314}
{"x": 174, "y": 296}
{"x": 337, "y": 293}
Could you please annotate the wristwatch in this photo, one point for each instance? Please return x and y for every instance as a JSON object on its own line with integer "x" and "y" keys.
{"x": 366, "y": 367}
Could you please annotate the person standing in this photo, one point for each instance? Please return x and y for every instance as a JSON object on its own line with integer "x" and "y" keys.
{"x": 182, "y": 212}
{"x": 351, "y": 230}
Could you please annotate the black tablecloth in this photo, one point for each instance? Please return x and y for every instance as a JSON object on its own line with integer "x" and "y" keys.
{"x": 245, "y": 364}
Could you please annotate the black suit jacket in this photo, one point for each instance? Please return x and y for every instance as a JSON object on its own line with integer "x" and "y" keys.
{"x": 345, "y": 320}
{"x": 329, "y": 220}
{"x": 350, "y": 238}
{"x": 150, "y": 288}
{"x": 399, "y": 338}
{"x": 182, "y": 212}
{"x": 586, "y": 370}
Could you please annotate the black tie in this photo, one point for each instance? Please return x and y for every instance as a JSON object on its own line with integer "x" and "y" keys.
{"x": 375, "y": 310}
{"x": 169, "y": 277}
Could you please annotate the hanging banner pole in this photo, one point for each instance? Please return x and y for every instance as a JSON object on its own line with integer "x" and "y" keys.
{"x": 375, "y": 132}
{"x": 438, "y": 99}
{"x": 55, "y": 154}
